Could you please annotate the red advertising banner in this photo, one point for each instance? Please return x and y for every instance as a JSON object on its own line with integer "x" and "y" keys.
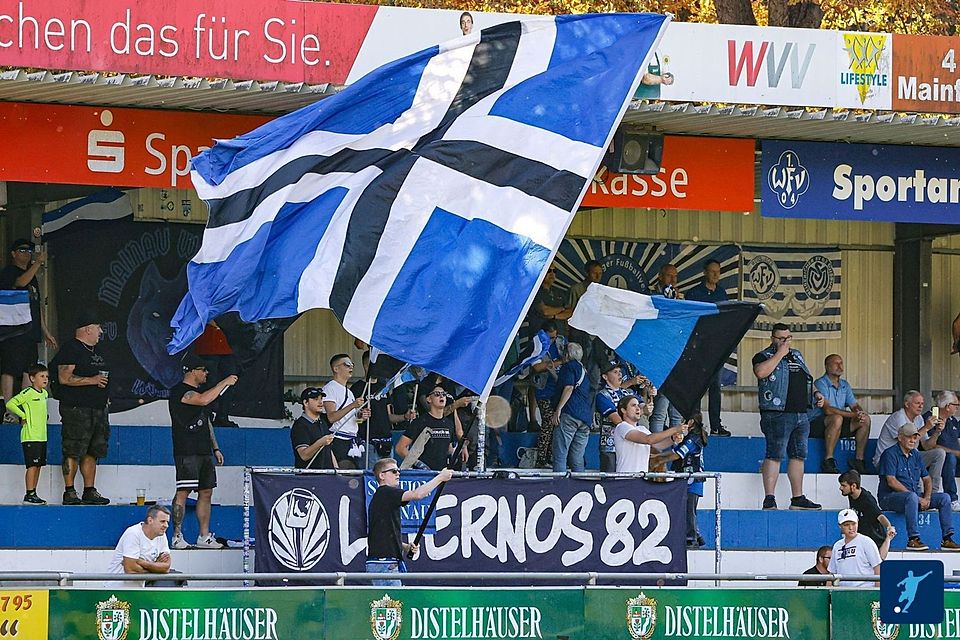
{"x": 280, "y": 40}
{"x": 110, "y": 147}
{"x": 926, "y": 74}
{"x": 709, "y": 174}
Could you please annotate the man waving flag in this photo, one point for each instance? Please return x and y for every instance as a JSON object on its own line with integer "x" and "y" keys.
{"x": 423, "y": 203}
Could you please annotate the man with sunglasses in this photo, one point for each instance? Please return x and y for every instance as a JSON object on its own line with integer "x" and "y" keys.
{"x": 310, "y": 434}
{"x": 19, "y": 352}
{"x": 445, "y": 430}
{"x": 195, "y": 448}
{"x": 385, "y": 548}
{"x": 345, "y": 412}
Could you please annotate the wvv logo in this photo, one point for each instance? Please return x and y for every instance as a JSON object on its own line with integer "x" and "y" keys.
{"x": 751, "y": 58}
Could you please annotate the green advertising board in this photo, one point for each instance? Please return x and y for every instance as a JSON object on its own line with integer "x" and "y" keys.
{"x": 447, "y": 614}
{"x": 855, "y": 617}
{"x": 633, "y": 613}
{"x": 179, "y": 614}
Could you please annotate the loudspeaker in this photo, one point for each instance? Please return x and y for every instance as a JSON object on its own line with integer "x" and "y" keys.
{"x": 635, "y": 152}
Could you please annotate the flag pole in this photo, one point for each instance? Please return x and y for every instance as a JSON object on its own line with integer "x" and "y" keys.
{"x": 436, "y": 493}
{"x": 366, "y": 395}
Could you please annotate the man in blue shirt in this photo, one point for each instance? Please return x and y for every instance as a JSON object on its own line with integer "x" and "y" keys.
{"x": 839, "y": 417}
{"x": 709, "y": 290}
{"x": 573, "y": 414}
{"x": 901, "y": 472}
{"x": 948, "y": 439}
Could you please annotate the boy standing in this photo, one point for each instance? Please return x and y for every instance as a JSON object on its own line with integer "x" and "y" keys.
{"x": 30, "y": 405}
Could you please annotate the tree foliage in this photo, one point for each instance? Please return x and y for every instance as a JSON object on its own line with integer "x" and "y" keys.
{"x": 895, "y": 16}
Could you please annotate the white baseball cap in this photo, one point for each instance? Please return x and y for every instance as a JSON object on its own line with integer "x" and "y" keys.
{"x": 847, "y": 515}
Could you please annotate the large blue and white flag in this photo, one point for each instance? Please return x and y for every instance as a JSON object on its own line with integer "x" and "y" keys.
{"x": 678, "y": 344}
{"x": 14, "y": 312}
{"x": 423, "y": 203}
{"x": 102, "y": 206}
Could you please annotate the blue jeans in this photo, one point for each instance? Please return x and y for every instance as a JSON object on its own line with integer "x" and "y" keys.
{"x": 786, "y": 434}
{"x": 949, "y": 475}
{"x": 662, "y": 407}
{"x": 569, "y": 442}
{"x": 384, "y": 566}
{"x": 908, "y": 503}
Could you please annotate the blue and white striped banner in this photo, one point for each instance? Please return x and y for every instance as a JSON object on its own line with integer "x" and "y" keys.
{"x": 423, "y": 203}
{"x": 800, "y": 288}
{"x": 14, "y": 312}
{"x": 103, "y": 206}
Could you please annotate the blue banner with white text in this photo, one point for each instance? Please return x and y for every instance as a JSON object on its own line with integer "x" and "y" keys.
{"x": 836, "y": 181}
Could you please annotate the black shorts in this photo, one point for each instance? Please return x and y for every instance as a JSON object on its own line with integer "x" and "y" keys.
{"x": 195, "y": 472}
{"x": 818, "y": 428}
{"x": 16, "y": 354}
{"x": 86, "y": 432}
{"x": 34, "y": 454}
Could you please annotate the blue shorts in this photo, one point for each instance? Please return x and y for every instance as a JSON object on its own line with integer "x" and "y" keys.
{"x": 786, "y": 434}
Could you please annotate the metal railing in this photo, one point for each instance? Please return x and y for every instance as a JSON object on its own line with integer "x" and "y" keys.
{"x": 339, "y": 579}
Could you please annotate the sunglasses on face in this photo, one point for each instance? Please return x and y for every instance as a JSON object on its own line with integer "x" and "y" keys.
{"x": 439, "y": 394}
{"x": 24, "y": 250}
{"x": 393, "y": 470}
{"x": 551, "y": 270}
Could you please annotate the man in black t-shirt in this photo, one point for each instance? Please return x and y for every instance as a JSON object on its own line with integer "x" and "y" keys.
{"x": 83, "y": 377}
{"x": 785, "y": 390}
{"x": 873, "y": 523}
{"x": 385, "y": 549}
{"x": 194, "y": 448}
{"x": 824, "y": 554}
{"x": 310, "y": 434}
{"x": 19, "y": 352}
{"x": 444, "y": 432}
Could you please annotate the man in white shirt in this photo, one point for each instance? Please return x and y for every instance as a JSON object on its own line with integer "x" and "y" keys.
{"x": 912, "y": 412}
{"x": 854, "y": 554}
{"x": 633, "y": 439}
{"x": 143, "y": 548}
{"x": 344, "y": 412}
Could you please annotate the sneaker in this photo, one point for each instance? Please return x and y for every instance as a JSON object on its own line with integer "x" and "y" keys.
{"x": 955, "y": 505}
{"x": 915, "y": 544}
{"x": 179, "y": 542}
{"x": 208, "y": 541}
{"x": 829, "y": 465}
{"x": 949, "y": 545}
{"x": 33, "y": 498}
{"x": 92, "y": 496}
{"x": 692, "y": 544}
{"x": 720, "y": 432}
{"x": 858, "y": 465}
{"x": 70, "y": 497}
{"x": 770, "y": 503}
{"x": 800, "y": 503}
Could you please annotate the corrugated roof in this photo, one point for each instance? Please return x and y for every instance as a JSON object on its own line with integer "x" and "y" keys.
{"x": 274, "y": 98}
{"x": 787, "y": 123}
{"x": 153, "y": 92}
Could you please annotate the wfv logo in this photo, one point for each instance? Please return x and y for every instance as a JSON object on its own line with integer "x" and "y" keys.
{"x": 750, "y": 59}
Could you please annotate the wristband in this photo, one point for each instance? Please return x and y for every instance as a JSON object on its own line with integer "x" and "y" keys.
{"x": 215, "y": 450}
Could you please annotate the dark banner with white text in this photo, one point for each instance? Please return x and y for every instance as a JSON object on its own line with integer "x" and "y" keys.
{"x": 317, "y": 523}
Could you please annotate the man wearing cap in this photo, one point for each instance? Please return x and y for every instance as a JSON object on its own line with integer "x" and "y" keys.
{"x": 902, "y": 471}
{"x": 854, "y": 554}
{"x": 912, "y": 412}
{"x": 606, "y": 405}
{"x": 83, "y": 376}
{"x": 195, "y": 448}
{"x": 19, "y": 352}
{"x": 310, "y": 434}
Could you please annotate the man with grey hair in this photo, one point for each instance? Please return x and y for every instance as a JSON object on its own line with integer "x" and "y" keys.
{"x": 573, "y": 415}
{"x": 948, "y": 439}
{"x": 912, "y": 413}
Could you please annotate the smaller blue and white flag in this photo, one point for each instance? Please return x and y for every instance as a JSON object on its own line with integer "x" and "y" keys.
{"x": 102, "y": 206}
{"x": 14, "y": 312}
{"x": 408, "y": 373}
{"x": 678, "y": 344}
{"x": 537, "y": 349}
